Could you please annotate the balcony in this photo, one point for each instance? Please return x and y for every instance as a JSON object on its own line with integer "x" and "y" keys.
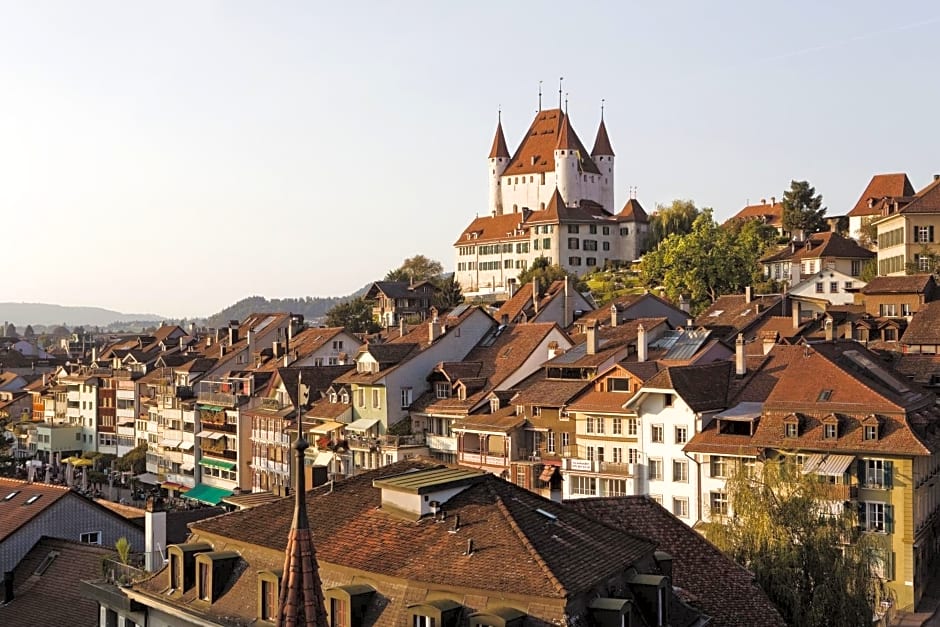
{"x": 480, "y": 459}
{"x": 616, "y": 468}
{"x": 220, "y": 452}
{"x": 442, "y": 443}
{"x": 272, "y": 404}
{"x": 837, "y": 492}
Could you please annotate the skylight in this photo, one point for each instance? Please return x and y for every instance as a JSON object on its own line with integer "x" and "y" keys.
{"x": 33, "y": 499}
{"x": 716, "y": 313}
{"x": 11, "y": 495}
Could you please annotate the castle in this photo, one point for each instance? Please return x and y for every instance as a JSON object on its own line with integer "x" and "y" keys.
{"x": 550, "y": 199}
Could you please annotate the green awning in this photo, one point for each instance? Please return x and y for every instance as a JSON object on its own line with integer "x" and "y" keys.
{"x": 207, "y": 494}
{"x": 209, "y": 407}
{"x": 217, "y": 463}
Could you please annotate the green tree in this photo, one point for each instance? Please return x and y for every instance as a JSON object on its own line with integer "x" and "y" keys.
{"x": 869, "y": 270}
{"x": 123, "y": 547}
{"x": 448, "y": 293}
{"x": 546, "y": 272}
{"x": 10, "y": 330}
{"x": 135, "y": 460}
{"x": 29, "y": 334}
{"x": 676, "y": 217}
{"x": 415, "y": 269}
{"x": 807, "y": 555}
{"x": 709, "y": 261}
{"x": 868, "y": 233}
{"x": 928, "y": 260}
{"x": 355, "y": 315}
{"x": 802, "y": 208}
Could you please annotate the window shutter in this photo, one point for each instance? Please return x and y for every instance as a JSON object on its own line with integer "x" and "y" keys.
{"x": 930, "y": 235}
{"x": 860, "y": 471}
{"x": 708, "y": 466}
{"x": 861, "y": 514}
{"x": 916, "y": 235}
{"x": 889, "y": 518}
{"x": 889, "y": 475}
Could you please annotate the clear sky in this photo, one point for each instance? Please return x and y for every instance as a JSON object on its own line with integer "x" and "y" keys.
{"x": 174, "y": 157}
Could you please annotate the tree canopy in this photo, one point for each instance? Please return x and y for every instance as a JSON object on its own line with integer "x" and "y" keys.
{"x": 676, "y": 217}
{"x": 546, "y": 272}
{"x": 355, "y": 315}
{"x": 802, "y": 208}
{"x": 709, "y": 261}
{"x": 802, "y": 545}
{"x": 417, "y": 268}
{"x": 448, "y": 293}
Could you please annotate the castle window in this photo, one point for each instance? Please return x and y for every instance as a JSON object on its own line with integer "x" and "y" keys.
{"x": 606, "y": 245}
{"x": 593, "y": 229}
{"x": 624, "y": 230}
{"x": 606, "y": 230}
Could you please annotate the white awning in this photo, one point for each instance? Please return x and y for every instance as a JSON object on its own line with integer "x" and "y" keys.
{"x": 148, "y": 478}
{"x": 186, "y": 445}
{"x": 216, "y": 435}
{"x": 327, "y": 427}
{"x": 186, "y": 467}
{"x": 829, "y": 465}
{"x": 170, "y": 443}
{"x": 362, "y": 425}
{"x": 323, "y": 458}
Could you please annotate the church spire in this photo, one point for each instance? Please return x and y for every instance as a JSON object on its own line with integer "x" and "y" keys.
{"x": 499, "y": 148}
{"x": 300, "y": 603}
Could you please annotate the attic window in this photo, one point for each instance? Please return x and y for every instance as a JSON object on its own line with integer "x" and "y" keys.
{"x": 716, "y": 313}
{"x": 494, "y": 405}
{"x": 11, "y": 495}
{"x": 791, "y": 427}
{"x": 46, "y": 563}
{"x": 825, "y": 395}
{"x": 33, "y": 499}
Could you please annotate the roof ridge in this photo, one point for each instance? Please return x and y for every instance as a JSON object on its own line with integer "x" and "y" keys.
{"x": 501, "y": 506}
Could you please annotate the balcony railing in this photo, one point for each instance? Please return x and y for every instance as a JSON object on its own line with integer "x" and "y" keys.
{"x": 616, "y": 468}
{"x": 833, "y": 492}
{"x": 217, "y": 398}
{"x": 476, "y": 457}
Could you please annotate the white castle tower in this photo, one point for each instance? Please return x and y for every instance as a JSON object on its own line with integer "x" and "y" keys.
{"x": 603, "y": 155}
{"x": 498, "y": 160}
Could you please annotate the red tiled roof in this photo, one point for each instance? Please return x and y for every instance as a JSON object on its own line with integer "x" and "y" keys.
{"x": 772, "y": 213}
{"x": 499, "y": 148}
{"x": 924, "y": 327}
{"x": 15, "y": 513}
{"x": 906, "y": 284}
{"x": 723, "y": 589}
{"x": 633, "y": 211}
{"x": 559, "y": 556}
{"x": 881, "y": 186}
{"x": 54, "y": 597}
{"x": 536, "y": 153}
{"x": 926, "y": 200}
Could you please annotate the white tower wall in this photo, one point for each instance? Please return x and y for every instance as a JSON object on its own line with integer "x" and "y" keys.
{"x": 497, "y": 165}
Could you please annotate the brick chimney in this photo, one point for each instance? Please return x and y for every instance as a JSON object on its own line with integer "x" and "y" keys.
{"x": 613, "y": 315}
{"x": 748, "y": 294}
{"x": 740, "y": 366}
{"x": 435, "y": 329}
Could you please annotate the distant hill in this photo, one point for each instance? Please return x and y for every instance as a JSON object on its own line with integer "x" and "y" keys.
{"x": 313, "y": 308}
{"x": 35, "y": 314}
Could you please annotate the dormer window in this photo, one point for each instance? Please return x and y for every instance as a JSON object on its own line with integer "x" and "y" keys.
{"x": 344, "y": 397}
{"x": 494, "y": 405}
{"x": 830, "y": 427}
{"x": 871, "y": 432}
{"x": 213, "y": 570}
{"x": 438, "y": 613}
{"x": 871, "y": 428}
{"x": 791, "y": 426}
{"x": 269, "y": 585}
{"x": 347, "y": 605}
{"x": 442, "y": 389}
{"x": 333, "y": 397}
{"x": 824, "y": 395}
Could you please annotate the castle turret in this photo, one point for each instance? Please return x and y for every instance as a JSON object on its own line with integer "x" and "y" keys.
{"x": 498, "y": 160}
{"x": 603, "y": 155}
{"x": 568, "y": 163}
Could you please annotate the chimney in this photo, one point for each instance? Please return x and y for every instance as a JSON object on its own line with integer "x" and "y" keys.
{"x": 154, "y": 534}
{"x": 748, "y": 294}
{"x": 796, "y": 314}
{"x": 773, "y": 200}
{"x": 769, "y": 341}
{"x": 248, "y": 335}
{"x": 684, "y": 304}
{"x": 613, "y": 315}
{"x": 469, "y": 546}
{"x": 827, "y": 325}
{"x": 592, "y": 343}
{"x": 232, "y": 332}
{"x": 763, "y": 201}
{"x": 276, "y": 349}
{"x": 401, "y": 326}
{"x": 740, "y": 368}
{"x": 553, "y": 351}
{"x": 535, "y": 295}
{"x": 936, "y": 177}
{"x": 641, "y": 343}
{"x": 94, "y": 353}
{"x": 435, "y": 330}
{"x": 504, "y": 319}
{"x": 7, "y": 587}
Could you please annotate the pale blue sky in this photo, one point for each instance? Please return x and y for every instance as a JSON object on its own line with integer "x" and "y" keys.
{"x": 177, "y": 156}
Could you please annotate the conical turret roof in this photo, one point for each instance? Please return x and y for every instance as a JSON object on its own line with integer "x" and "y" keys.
{"x": 499, "y": 148}
{"x": 602, "y": 142}
{"x": 300, "y": 603}
{"x": 567, "y": 140}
